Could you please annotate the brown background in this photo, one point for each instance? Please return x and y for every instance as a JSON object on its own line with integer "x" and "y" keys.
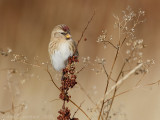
{"x": 25, "y": 27}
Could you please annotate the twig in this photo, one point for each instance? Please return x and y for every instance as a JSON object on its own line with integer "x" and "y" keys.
{"x": 80, "y": 70}
{"x": 110, "y": 44}
{"x": 86, "y": 93}
{"x": 69, "y": 99}
{"x": 124, "y": 78}
{"x": 13, "y": 111}
{"x": 54, "y": 100}
{"x": 80, "y": 109}
{"x": 124, "y": 40}
{"x": 10, "y": 110}
{"x": 53, "y": 80}
{"x": 108, "y": 83}
{"x": 115, "y": 90}
{"x": 136, "y": 87}
{"x": 85, "y": 29}
{"x": 77, "y": 110}
{"x": 126, "y": 90}
{"x": 153, "y": 83}
{"x": 105, "y": 71}
{"x": 104, "y": 68}
{"x": 140, "y": 79}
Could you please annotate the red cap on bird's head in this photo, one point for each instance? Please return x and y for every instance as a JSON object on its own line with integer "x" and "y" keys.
{"x": 65, "y": 28}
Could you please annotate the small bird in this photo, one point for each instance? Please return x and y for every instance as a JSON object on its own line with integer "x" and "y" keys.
{"x": 61, "y": 46}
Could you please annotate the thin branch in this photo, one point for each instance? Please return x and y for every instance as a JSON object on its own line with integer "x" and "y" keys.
{"x": 136, "y": 87}
{"x": 104, "y": 68}
{"x": 69, "y": 99}
{"x": 86, "y": 93}
{"x": 124, "y": 78}
{"x": 119, "y": 31}
{"x": 10, "y": 110}
{"x": 110, "y": 44}
{"x": 140, "y": 79}
{"x": 53, "y": 80}
{"x": 85, "y": 29}
{"x": 124, "y": 40}
{"x": 80, "y": 70}
{"x": 116, "y": 56}
{"x": 119, "y": 94}
{"x": 105, "y": 71}
{"x": 111, "y": 103}
{"x": 54, "y": 100}
{"x": 158, "y": 81}
{"x": 108, "y": 83}
{"x": 13, "y": 111}
{"x": 77, "y": 110}
{"x": 80, "y": 109}
{"x": 115, "y": 90}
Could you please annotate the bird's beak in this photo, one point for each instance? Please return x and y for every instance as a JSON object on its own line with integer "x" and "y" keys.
{"x": 68, "y": 36}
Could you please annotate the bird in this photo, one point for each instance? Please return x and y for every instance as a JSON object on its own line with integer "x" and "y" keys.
{"x": 61, "y": 47}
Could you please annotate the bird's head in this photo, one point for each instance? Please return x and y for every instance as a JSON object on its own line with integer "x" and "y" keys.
{"x": 61, "y": 32}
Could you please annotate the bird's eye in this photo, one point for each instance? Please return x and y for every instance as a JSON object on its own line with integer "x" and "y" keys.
{"x": 63, "y": 33}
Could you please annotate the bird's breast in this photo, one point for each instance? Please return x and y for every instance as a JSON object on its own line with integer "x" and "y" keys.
{"x": 65, "y": 49}
{"x": 61, "y": 54}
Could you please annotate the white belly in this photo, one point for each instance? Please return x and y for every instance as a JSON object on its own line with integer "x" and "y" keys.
{"x": 60, "y": 57}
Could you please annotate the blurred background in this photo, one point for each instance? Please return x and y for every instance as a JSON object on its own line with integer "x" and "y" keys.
{"x": 25, "y": 27}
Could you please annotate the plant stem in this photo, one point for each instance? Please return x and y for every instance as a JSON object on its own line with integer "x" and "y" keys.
{"x": 115, "y": 90}
{"x": 108, "y": 83}
{"x": 69, "y": 99}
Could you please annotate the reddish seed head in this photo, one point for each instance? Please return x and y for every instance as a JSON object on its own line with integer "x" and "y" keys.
{"x": 68, "y": 81}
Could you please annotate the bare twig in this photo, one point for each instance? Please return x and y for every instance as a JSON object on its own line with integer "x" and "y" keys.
{"x": 85, "y": 29}
{"x": 104, "y": 68}
{"x": 108, "y": 83}
{"x": 105, "y": 71}
{"x": 80, "y": 109}
{"x": 54, "y": 100}
{"x": 77, "y": 110}
{"x": 124, "y": 78}
{"x": 86, "y": 93}
{"x": 69, "y": 99}
{"x": 110, "y": 44}
{"x": 140, "y": 79}
{"x": 53, "y": 80}
{"x": 11, "y": 110}
{"x": 115, "y": 90}
{"x": 157, "y": 82}
{"x": 136, "y": 87}
{"x": 80, "y": 70}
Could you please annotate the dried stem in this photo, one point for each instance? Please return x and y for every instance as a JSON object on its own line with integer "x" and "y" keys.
{"x": 80, "y": 109}
{"x": 85, "y": 29}
{"x": 110, "y": 44}
{"x": 69, "y": 98}
{"x": 12, "y": 108}
{"x": 86, "y": 93}
{"x": 80, "y": 70}
{"x": 120, "y": 44}
{"x": 77, "y": 110}
{"x": 140, "y": 79}
{"x": 53, "y": 80}
{"x": 105, "y": 71}
{"x": 118, "y": 82}
{"x": 136, "y": 87}
{"x": 115, "y": 90}
{"x": 124, "y": 78}
{"x": 108, "y": 83}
